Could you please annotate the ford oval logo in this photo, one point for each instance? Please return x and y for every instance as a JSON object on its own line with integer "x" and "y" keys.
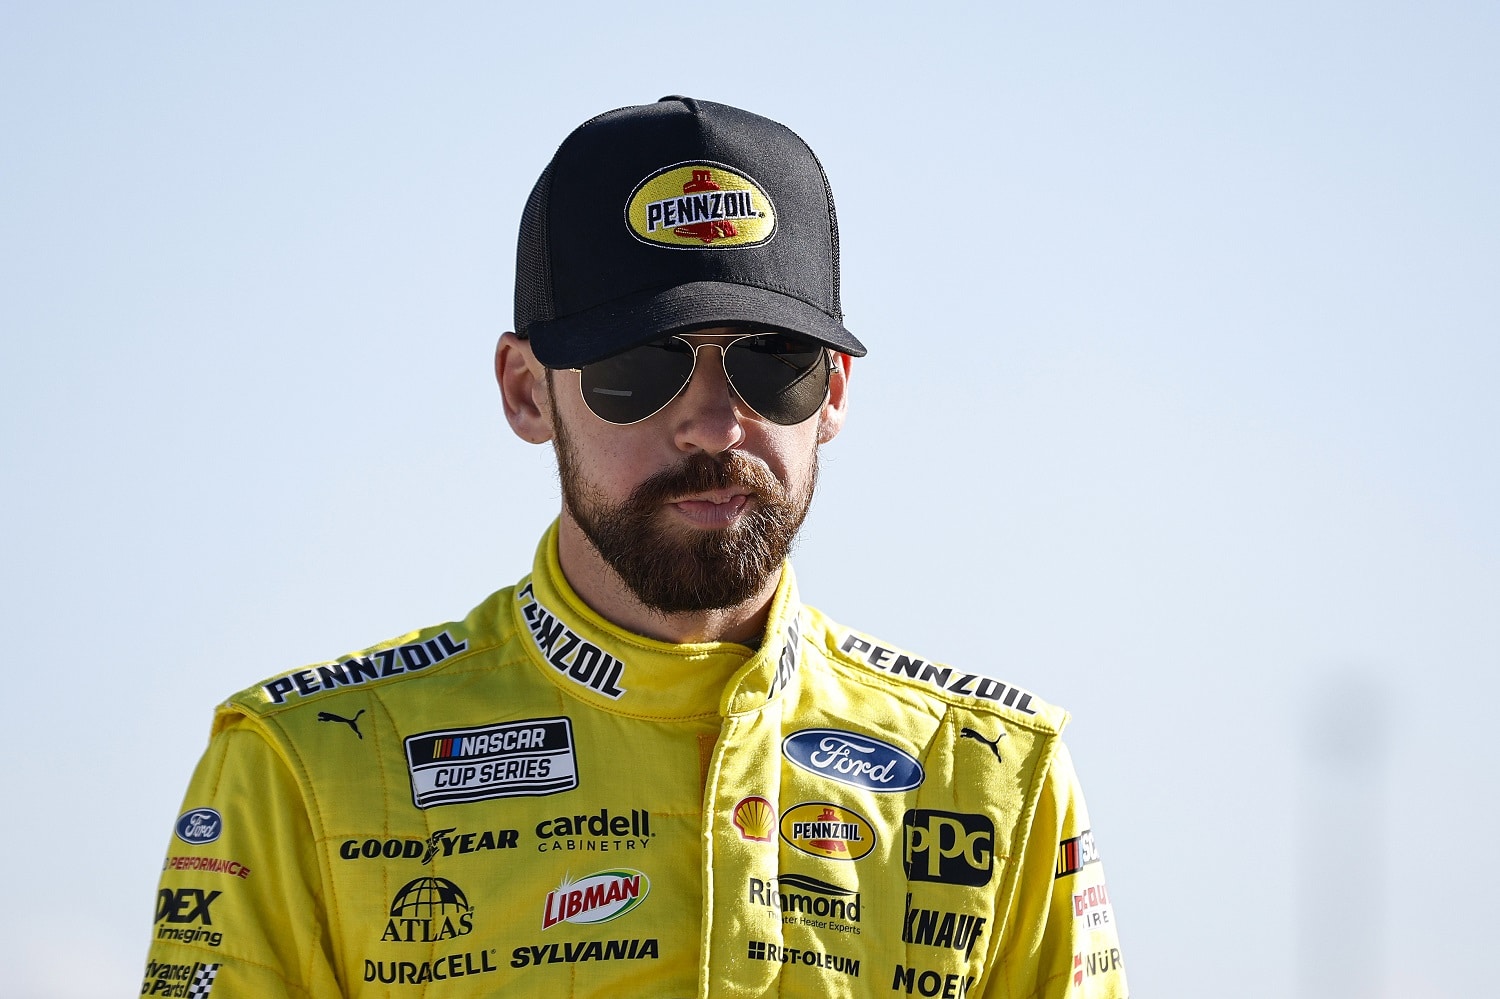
{"x": 856, "y": 760}
{"x": 199, "y": 825}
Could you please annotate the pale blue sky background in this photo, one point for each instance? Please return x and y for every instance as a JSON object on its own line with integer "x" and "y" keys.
{"x": 1180, "y": 411}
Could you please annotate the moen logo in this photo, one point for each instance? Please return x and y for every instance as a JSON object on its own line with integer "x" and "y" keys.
{"x": 427, "y": 910}
{"x": 700, "y": 206}
{"x": 755, "y": 818}
{"x": 823, "y": 829}
{"x": 531, "y": 757}
{"x": 954, "y": 848}
{"x": 597, "y": 898}
{"x": 1076, "y": 853}
{"x": 857, "y": 760}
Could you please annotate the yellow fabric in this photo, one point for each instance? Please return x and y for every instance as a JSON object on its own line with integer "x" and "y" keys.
{"x": 531, "y": 801}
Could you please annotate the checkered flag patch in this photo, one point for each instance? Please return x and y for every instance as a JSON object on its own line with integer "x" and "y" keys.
{"x": 203, "y": 981}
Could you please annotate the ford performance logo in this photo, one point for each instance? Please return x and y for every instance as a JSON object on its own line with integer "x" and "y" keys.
{"x": 856, "y": 760}
{"x": 199, "y": 826}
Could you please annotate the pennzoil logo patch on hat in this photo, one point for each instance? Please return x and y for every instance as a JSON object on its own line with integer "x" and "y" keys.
{"x": 700, "y": 206}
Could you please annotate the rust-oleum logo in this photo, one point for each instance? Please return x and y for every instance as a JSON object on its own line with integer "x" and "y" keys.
{"x": 700, "y": 206}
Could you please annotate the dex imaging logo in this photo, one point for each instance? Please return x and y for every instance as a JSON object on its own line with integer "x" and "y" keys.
{"x": 955, "y": 848}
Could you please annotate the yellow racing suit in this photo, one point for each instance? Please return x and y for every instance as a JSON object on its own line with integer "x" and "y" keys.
{"x": 533, "y": 802}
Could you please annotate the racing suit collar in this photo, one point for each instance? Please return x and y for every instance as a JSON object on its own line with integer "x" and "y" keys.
{"x": 608, "y": 667}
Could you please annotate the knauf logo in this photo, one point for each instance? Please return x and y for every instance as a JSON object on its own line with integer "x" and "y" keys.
{"x": 700, "y": 206}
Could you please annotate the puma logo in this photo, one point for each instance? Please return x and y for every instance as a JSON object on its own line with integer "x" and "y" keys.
{"x": 994, "y": 744}
{"x": 353, "y": 722}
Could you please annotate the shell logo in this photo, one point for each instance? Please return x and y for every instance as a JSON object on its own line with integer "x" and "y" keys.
{"x": 823, "y": 829}
{"x": 700, "y": 206}
{"x": 755, "y": 818}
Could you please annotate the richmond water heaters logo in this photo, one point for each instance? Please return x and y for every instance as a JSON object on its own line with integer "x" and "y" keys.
{"x": 526, "y": 758}
{"x": 856, "y": 760}
{"x": 823, "y": 829}
{"x": 700, "y": 206}
{"x": 597, "y": 898}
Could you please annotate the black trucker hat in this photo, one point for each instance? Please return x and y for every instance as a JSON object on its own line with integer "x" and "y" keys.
{"x": 672, "y": 216}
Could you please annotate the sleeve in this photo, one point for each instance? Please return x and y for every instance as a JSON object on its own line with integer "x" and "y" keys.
{"x": 240, "y": 908}
{"x": 1061, "y": 940}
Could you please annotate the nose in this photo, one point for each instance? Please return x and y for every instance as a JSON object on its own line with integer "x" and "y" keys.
{"x": 708, "y": 416}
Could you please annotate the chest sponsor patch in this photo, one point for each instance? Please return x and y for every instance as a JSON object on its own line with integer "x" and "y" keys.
{"x": 199, "y": 826}
{"x": 856, "y": 760}
{"x": 1075, "y": 853}
{"x": 823, "y": 829}
{"x": 527, "y": 758}
{"x": 597, "y": 898}
{"x": 700, "y": 206}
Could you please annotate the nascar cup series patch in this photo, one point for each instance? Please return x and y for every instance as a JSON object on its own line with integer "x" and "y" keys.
{"x": 700, "y": 206}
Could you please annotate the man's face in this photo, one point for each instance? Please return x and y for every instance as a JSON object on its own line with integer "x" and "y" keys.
{"x": 696, "y": 507}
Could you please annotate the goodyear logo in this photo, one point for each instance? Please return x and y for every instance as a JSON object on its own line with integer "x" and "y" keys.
{"x": 823, "y": 829}
{"x": 700, "y": 206}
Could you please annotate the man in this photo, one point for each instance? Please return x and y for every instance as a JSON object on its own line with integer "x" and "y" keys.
{"x": 647, "y": 768}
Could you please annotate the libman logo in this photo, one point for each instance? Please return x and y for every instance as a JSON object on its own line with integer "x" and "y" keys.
{"x": 823, "y": 829}
{"x": 597, "y": 898}
{"x": 700, "y": 206}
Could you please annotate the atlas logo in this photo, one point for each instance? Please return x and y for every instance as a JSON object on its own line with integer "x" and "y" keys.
{"x": 700, "y": 206}
{"x": 199, "y": 826}
{"x": 1076, "y": 853}
{"x": 937, "y": 928}
{"x": 953, "y": 848}
{"x": 856, "y": 760}
{"x": 377, "y": 665}
{"x": 823, "y": 829}
{"x": 427, "y": 910}
{"x": 597, "y": 898}
{"x": 939, "y": 676}
{"x": 527, "y": 758}
{"x": 579, "y": 660}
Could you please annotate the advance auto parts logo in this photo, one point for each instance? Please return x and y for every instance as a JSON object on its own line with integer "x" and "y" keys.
{"x": 427, "y": 910}
{"x": 597, "y": 898}
{"x": 700, "y": 206}
{"x": 823, "y": 829}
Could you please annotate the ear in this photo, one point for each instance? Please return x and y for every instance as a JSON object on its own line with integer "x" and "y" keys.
{"x": 831, "y": 419}
{"x": 523, "y": 389}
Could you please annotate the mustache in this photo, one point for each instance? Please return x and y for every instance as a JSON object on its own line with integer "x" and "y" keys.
{"x": 699, "y": 473}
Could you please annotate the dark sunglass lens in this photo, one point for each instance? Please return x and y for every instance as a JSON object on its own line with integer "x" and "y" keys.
{"x": 631, "y": 386}
{"x": 783, "y": 378}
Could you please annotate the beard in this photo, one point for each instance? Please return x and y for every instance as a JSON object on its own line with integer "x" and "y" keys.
{"x": 678, "y": 571}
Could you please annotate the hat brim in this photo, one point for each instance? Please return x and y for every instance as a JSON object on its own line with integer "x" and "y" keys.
{"x": 605, "y": 330}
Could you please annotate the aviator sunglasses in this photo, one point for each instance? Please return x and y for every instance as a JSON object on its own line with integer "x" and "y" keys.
{"x": 783, "y": 378}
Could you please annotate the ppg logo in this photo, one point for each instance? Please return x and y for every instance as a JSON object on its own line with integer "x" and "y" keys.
{"x": 954, "y": 848}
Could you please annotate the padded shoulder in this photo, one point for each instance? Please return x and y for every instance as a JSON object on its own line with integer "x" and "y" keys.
{"x": 949, "y": 684}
